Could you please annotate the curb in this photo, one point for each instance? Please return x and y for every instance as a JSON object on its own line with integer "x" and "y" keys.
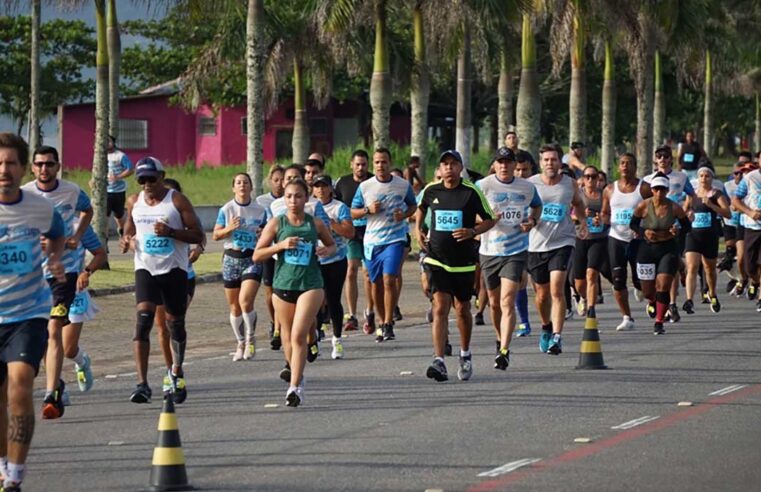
{"x": 109, "y": 291}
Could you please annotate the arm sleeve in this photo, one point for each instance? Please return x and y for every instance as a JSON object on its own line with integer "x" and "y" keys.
{"x": 742, "y": 190}
{"x": 688, "y": 188}
{"x": 90, "y": 240}
{"x": 56, "y": 227}
{"x": 343, "y": 213}
{"x": 358, "y": 201}
{"x": 126, "y": 163}
{"x": 83, "y": 202}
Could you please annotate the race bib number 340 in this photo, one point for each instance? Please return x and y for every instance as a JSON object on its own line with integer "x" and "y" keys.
{"x": 16, "y": 258}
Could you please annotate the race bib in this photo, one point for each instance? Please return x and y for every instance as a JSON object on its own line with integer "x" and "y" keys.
{"x": 689, "y": 157}
{"x": 243, "y": 239}
{"x": 448, "y": 220}
{"x": 593, "y": 229}
{"x": 157, "y": 246}
{"x": 16, "y": 258}
{"x": 554, "y": 212}
{"x": 300, "y": 255}
{"x": 80, "y": 303}
{"x": 646, "y": 271}
{"x": 511, "y": 215}
{"x": 702, "y": 220}
{"x": 734, "y": 219}
{"x": 623, "y": 216}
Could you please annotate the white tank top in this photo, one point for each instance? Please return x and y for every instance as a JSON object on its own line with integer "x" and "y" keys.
{"x": 158, "y": 254}
{"x": 622, "y": 207}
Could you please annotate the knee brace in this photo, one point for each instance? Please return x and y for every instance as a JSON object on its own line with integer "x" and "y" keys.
{"x": 619, "y": 279}
{"x": 663, "y": 297}
{"x": 179, "y": 337}
{"x": 143, "y": 326}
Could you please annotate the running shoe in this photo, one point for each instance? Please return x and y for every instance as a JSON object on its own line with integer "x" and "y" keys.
{"x": 479, "y": 319}
{"x": 177, "y": 387}
{"x": 429, "y": 315}
{"x": 673, "y": 314}
{"x": 502, "y": 360}
{"x": 650, "y": 310}
{"x": 658, "y": 329}
{"x": 85, "y": 378}
{"x": 465, "y": 372}
{"x": 398, "y": 314}
{"x": 715, "y": 305}
{"x": 437, "y": 370}
{"x": 706, "y": 299}
{"x": 285, "y": 373}
{"x": 638, "y": 295}
{"x": 752, "y": 292}
{"x": 313, "y": 351}
{"x": 388, "y": 333}
{"x": 731, "y": 287}
{"x": 740, "y": 289}
{"x": 448, "y": 349}
{"x": 627, "y": 324}
{"x": 758, "y": 306}
{"x": 379, "y": 334}
{"x": 52, "y": 405}
{"x": 321, "y": 332}
{"x": 295, "y": 396}
{"x": 688, "y": 307}
{"x": 568, "y": 314}
{"x": 524, "y": 330}
{"x": 350, "y": 323}
{"x": 142, "y": 394}
{"x": 725, "y": 264}
{"x": 239, "y": 350}
{"x": 166, "y": 387}
{"x": 250, "y": 350}
{"x": 275, "y": 341}
{"x": 338, "y": 349}
{"x": 556, "y": 345}
{"x": 498, "y": 345}
{"x": 600, "y": 299}
{"x": 581, "y": 307}
{"x": 544, "y": 341}
{"x": 369, "y": 326}
{"x": 65, "y": 398}
{"x": 11, "y": 487}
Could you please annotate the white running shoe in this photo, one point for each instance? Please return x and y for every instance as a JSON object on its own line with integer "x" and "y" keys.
{"x": 581, "y": 307}
{"x": 338, "y": 349}
{"x": 626, "y": 325}
{"x": 239, "y": 352}
{"x": 249, "y": 351}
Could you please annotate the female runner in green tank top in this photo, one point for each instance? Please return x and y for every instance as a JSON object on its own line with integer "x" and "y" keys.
{"x": 297, "y": 285}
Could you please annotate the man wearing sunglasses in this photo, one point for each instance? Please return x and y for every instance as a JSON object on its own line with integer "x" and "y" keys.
{"x": 734, "y": 232}
{"x": 75, "y": 209}
{"x": 160, "y": 224}
{"x": 681, "y": 192}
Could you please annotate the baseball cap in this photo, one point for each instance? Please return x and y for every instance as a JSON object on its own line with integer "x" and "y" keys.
{"x": 659, "y": 182}
{"x": 664, "y": 148}
{"x": 314, "y": 162}
{"x": 148, "y": 166}
{"x": 452, "y": 153}
{"x": 504, "y": 153}
{"x": 577, "y": 145}
{"x": 322, "y": 179}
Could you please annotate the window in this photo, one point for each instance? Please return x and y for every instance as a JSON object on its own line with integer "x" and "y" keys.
{"x": 318, "y": 126}
{"x": 133, "y": 134}
{"x": 283, "y": 144}
{"x": 207, "y": 125}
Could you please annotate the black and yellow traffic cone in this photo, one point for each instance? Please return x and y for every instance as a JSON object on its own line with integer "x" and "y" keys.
{"x": 168, "y": 472}
{"x": 590, "y": 355}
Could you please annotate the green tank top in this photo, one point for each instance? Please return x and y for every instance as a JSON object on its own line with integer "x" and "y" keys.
{"x": 655, "y": 223}
{"x": 298, "y": 269}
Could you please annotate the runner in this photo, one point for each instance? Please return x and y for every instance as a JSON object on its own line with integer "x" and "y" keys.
{"x": 26, "y": 302}
{"x": 452, "y": 256}
{"x": 504, "y": 248}
{"x": 734, "y": 235}
{"x": 119, "y": 169}
{"x": 618, "y": 203}
{"x": 551, "y": 244}
{"x": 275, "y": 179}
{"x": 523, "y": 169}
{"x": 74, "y": 207}
{"x": 703, "y": 240}
{"x": 334, "y": 267}
{"x": 407, "y": 248}
{"x": 654, "y": 219}
{"x": 239, "y": 222}
{"x": 344, "y": 191}
{"x": 386, "y": 201}
{"x": 298, "y": 285}
{"x": 160, "y": 224}
{"x": 747, "y": 200}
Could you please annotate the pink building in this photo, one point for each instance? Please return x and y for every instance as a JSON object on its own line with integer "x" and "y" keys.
{"x": 149, "y": 125}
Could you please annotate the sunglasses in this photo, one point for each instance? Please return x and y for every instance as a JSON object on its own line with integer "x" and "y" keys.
{"x": 662, "y": 155}
{"x": 590, "y": 176}
{"x": 45, "y": 164}
{"x": 146, "y": 179}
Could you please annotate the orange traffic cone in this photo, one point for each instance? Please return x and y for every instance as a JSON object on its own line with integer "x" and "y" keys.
{"x": 590, "y": 355}
{"x": 168, "y": 472}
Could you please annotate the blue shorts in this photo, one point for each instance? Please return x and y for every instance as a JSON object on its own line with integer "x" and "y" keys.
{"x": 386, "y": 260}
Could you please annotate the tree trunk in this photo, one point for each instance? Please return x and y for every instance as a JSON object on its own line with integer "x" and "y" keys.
{"x": 114, "y": 67}
{"x": 34, "y": 103}
{"x": 659, "y": 113}
{"x": 100, "y": 160}
{"x": 505, "y": 95}
{"x": 300, "y": 140}
{"x": 419, "y": 92}
{"x": 708, "y": 130}
{"x": 380, "y": 84}
{"x": 255, "y": 58}
{"x": 529, "y": 107}
{"x": 758, "y": 124}
{"x": 608, "y": 111}
{"x": 464, "y": 120}
{"x": 578, "y": 96}
{"x": 642, "y": 62}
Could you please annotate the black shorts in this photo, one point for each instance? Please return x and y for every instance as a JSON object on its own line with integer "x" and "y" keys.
{"x": 494, "y": 268}
{"x": 657, "y": 258}
{"x": 191, "y": 287}
{"x": 168, "y": 289}
{"x": 704, "y": 244}
{"x": 730, "y": 233}
{"x": 268, "y": 272}
{"x": 24, "y": 341}
{"x": 459, "y": 285}
{"x": 289, "y": 296}
{"x": 621, "y": 253}
{"x": 408, "y": 242}
{"x": 540, "y": 264}
{"x": 63, "y": 296}
{"x": 589, "y": 253}
{"x": 115, "y": 203}
{"x": 752, "y": 253}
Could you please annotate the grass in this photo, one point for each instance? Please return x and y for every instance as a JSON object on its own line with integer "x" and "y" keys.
{"x": 123, "y": 271}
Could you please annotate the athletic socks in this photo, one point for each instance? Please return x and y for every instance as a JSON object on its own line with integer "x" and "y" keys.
{"x": 79, "y": 359}
{"x": 521, "y": 302}
{"x": 464, "y": 353}
{"x": 237, "y": 324}
{"x": 249, "y": 319}
{"x": 4, "y": 467}
{"x": 661, "y": 305}
{"x": 14, "y": 475}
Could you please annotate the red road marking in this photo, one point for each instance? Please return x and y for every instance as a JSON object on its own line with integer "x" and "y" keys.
{"x": 607, "y": 443}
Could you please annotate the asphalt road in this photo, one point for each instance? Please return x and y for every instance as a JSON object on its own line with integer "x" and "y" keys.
{"x": 373, "y": 422}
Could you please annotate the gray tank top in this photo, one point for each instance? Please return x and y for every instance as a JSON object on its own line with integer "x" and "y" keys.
{"x": 555, "y": 228}
{"x": 594, "y": 204}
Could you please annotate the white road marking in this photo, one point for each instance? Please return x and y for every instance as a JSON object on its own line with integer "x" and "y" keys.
{"x": 583, "y": 440}
{"x": 405, "y": 373}
{"x": 684, "y": 404}
{"x": 271, "y": 405}
{"x": 111, "y": 376}
{"x": 127, "y": 374}
{"x": 727, "y": 390}
{"x": 635, "y": 422}
{"x": 115, "y": 443}
{"x": 509, "y": 467}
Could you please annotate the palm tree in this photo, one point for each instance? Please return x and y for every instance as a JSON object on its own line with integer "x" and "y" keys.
{"x": 34, "y": 107}
{"x": 505, "y": 95}
{"x": 464, "y": 120}
{"x": 578, "y": 94}
{"x": 608, "y": 109}
{"x": 114, "y": 67}
{"x": 420, "y": 88}
{"x": 659, "y": 113}
{"x": 100, "y": 160}
{"x": 255, "y": 62}
{"x": 708, "y": 130}
{"x": 529, "y": 106}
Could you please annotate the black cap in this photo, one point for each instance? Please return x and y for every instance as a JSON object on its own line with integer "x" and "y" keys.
{"x": 452, "y": 153}
{"x": 314, "y": 162}
{"x": 664, "y": 148}
{"x": 503, "y": 153}
{"x": 577, "y": 145}
{"x": 323, "y": 179}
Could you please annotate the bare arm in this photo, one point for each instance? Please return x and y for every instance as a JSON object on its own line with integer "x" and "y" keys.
{"x": 323, "y": 233}
{"x": 605, "y": 209}
{"x": 129, "y": 226}
{"x": 192, "y": 232}
{"x": 344, "y": 228}
{"x": 578, "y": 208}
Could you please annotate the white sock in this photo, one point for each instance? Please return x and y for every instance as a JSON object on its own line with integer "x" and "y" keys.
{"x": 464, "y": 353}
{"x": 439, "y": 359}
{"x": 249, "y": 319}
{"x": 237, "y": 323}
{"x": 4, "y": 466}
{"x": 79, "y": 359}
{"x": 15, "y": 473}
